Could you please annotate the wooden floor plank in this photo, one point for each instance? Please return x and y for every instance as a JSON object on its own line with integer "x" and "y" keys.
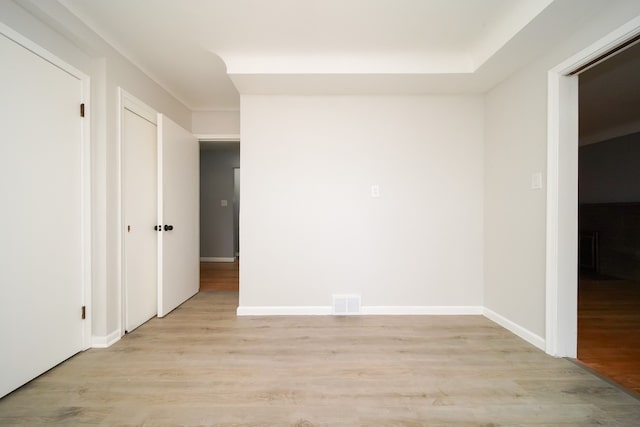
{"x": 219, "y": 276}
{"x": 609, "y": 329}
{"x": 202, "y": 365}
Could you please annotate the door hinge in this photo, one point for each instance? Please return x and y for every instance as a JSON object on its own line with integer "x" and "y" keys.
{"x": 84, "y": 312}
{"x": 81, "y": 110}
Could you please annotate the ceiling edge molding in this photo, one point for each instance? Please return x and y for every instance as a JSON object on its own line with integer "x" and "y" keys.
{"x": 122, "y": 51}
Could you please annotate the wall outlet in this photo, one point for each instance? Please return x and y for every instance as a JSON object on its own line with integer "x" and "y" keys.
{"x": 375, "y": 191}
{"x": 223, "y": 203}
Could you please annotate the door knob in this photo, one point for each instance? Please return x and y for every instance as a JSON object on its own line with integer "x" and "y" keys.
{"x": 168, "y": 227}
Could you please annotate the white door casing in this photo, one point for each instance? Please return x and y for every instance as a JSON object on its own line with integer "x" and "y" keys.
{"x": 139, "y": 211}
{"x": 236, "y": 211}
{"x": 178, "y": 211}
{"x": 562, "y": 191}
{"x": 45, "y": 267}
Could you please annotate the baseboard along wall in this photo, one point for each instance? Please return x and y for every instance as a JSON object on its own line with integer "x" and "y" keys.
{"x": 217, "y": 259}
{"x": 104, "y": 341}
{"x": 514, "y": 328}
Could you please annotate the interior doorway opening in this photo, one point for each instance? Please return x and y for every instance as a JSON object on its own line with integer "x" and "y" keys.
{"x": 219, "y": 215}
{"x": 562, "y": 188}
{"x": 609, "y": 208}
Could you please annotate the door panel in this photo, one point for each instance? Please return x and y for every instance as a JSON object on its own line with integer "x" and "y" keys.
{"x": 41, "y": 187}
{"x": 180, "y": 194}
{"x": 140, "y": 218}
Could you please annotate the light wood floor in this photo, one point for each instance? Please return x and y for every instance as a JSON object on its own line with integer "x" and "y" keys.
{"x": 219, "y": 276}
{"x": 202, "y": 365}
{"x": 609, "y": 329}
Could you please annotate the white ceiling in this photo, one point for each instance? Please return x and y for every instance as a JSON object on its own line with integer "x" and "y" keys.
{"x": 206, "y": 51}
{"x": 182, "y": 44}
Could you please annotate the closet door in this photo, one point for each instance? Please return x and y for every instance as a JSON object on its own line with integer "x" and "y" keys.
{"x": 140, "y": 187}
{"x": 44, "y": 248}
{"x": 179, "y": 209}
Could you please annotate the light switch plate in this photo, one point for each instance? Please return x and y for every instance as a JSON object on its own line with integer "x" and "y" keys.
{"x": 223, "y": 203}
{"x": 536, "y": 180}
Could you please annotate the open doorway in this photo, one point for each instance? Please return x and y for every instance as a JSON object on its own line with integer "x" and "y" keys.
{"x": 219, "y": 215}
{"x": 609, "y": 218}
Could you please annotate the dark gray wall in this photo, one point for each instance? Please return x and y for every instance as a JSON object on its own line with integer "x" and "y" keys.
{"x": 618, "y": 228}
{"x": 609, "y": 182}
{"x": 610, "y": 171}
{"x": 217, "y": 161}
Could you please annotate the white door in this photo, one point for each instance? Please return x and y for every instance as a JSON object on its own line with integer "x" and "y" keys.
{"x": 42, "y": 187}
{"x": 179, "y": 209}
{"x": 140, "y": 187}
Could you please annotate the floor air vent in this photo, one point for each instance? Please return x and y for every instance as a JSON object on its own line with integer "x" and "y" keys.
{"x": 346, "y": 304}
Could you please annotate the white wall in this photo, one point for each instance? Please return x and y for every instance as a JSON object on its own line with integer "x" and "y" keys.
{"x": 48, "y": 24}
{"x": 514, "y": 215}
{"x": 215, "y": 122}
{"x": 309, "y": 227}
{"x": 515, "y": 146}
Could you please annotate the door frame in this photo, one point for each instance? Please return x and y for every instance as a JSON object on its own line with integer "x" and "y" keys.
{"x": 562, "y": 190}
{"x": 86, "y": 226}
{"x": 218, "y": 137}
{"x": 129, "y": 102}
{"x": 236, "y": 221}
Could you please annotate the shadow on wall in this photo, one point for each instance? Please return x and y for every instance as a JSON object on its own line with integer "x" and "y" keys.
{"x": 218, "y": 160}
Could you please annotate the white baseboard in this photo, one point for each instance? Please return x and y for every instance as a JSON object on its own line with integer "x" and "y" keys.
{"x": 365, "y": 310}
{"x": 216, "y": 259}
{"x": 105, "y": 340}
{"x": 320, "y": 310}
{"x": 403, "y": 310}
{"x": 523, "y": 333}
{"x": 518, "y": 330}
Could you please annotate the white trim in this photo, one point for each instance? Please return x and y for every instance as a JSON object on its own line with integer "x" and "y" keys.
{"x": 284, "y": 310}
{"x": 87, "y": 220}
{"x": 216, "y": 259}
{"x": 160, "y": 213}
{"x": 120, "y": 219}
{"x": 551, "y": 272}
{"x": 36, "y": 49}
{"x": 105, "y": 341}
{"x": 561, "y": 249}
{"x": 138, "y": 107}
{"x": 420, "y": 310}
{"x": 214, "y": 137}
{"x": 85, "y": 165}
{"x": 364, "y": 310}
{"x": 518, "y": 330}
